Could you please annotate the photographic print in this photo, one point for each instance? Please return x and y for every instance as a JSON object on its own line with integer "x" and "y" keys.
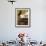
{"x": 22, "y": 17}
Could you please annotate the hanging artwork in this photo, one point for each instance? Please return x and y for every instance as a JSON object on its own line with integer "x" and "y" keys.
{"x": 22, "y": 17}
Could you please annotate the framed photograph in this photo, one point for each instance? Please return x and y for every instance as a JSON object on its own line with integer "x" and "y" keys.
{"x": 22, "y": 17}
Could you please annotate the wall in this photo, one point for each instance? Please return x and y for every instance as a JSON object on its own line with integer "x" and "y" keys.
{"x": 8, "y": 31}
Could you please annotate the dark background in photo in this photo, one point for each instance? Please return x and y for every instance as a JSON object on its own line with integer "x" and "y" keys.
{"x": 22, "y": 17}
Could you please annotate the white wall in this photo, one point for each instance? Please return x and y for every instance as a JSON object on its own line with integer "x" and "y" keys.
{"x": 8, "y": 31}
